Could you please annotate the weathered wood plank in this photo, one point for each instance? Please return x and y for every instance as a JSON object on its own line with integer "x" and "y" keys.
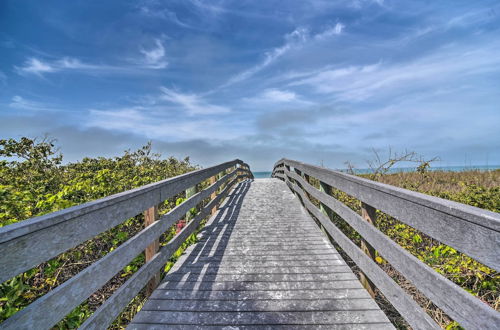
{"x": 456, "y": 302}
{"x": 265, "y": 305}
{"x": 247, "y": 318}
{"x": 358, "y": 326}
{"x": 255, "y": 285}
{"x": 28, "y": 243}
{"x": 150, "y": 217}
{"x": 262, "y": 295}
{"x": 305, "y": 277}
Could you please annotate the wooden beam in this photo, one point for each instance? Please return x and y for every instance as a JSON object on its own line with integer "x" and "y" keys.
{"x": 150, "y": 217}
{"x": 214, "y": 194}
{"x": 190, "y": 192}
{"x": 369, "y": 214}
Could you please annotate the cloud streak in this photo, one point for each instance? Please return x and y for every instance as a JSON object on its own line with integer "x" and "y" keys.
{"x": 294, "y": 40}
{"x": 191, "y": 103}
{"x": 154, "y": 57}
{"x": 360, "y": 82}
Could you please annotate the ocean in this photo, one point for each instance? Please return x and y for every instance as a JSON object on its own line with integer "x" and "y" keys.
{"x": 260, "y": 175}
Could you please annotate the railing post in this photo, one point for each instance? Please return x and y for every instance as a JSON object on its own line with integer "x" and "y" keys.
{"x": 369, "y": 214}
{"x": 150, "y": 216}
{"x": 190, "y": 192}
{"x": 214, "y": 194}
{"x": 327, "y": 189}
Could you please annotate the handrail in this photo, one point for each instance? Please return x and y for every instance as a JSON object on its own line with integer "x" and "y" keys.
{"x": 471, "y": 230}
{"x": 41, "y": 238}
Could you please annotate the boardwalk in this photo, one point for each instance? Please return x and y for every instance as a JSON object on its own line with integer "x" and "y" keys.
{"x": 261, "y": 262}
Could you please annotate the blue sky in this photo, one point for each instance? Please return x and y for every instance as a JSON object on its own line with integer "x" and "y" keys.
{"x": 319, "y": 81}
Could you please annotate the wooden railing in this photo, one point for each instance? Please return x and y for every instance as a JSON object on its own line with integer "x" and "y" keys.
{"x": 26, "y": 244}
{"x": 470, "y": 230}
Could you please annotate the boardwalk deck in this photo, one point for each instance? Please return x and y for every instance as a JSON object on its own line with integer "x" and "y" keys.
{"x": 262, "y": 262}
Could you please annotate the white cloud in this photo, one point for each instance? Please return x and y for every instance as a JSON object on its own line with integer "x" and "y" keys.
{"x": 151, "y": 123}
{"x": 359, "y": 82}
{"x": 193, "y": 104}
{"x": 36, "y": 67}
{"x": 333, "y": 31}
{"x": 155, "y": 57}
{"x": 275, "y": 95}
{"x": 294, "y": 40}
{"x": 21, "y": 103}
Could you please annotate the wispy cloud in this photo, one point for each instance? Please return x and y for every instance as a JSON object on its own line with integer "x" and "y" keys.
{"x": 157, "y": 10}
{"x": 191, "y": 103}
{"x": 294, "y": 40}
{"x": 20, "y": 103}
{"x": 36, "y": 67}
{"x": 330, "y": 32}
{"x": 149, "y": 122}
{"x": 154, "y": 57}
{"x": 278, "y": 97}
{"x": 359, "y": 82}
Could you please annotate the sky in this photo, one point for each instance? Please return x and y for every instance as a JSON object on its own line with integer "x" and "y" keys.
{"x": 319, "y": 81}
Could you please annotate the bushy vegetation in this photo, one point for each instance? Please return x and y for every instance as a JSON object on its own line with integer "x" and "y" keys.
{"x": 34, "y": 181}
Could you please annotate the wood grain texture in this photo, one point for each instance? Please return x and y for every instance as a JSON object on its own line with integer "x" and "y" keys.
{"x": 150, "y": 217}
{"x": 456, "y": 302}
{"x": 468, "y": 229}
{"x": 234, "y": 277}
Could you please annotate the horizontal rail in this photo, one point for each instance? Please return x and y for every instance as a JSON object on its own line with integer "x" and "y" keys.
{"x": 46, "y": 311}
{"x": 456, "y": 302}
{"x": 28, "y": 243}
{"x": 108, "y": 312}
{"x": 468, "y": 229}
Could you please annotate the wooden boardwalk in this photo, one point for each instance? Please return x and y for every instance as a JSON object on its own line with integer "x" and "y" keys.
{"x": 261, "y": 262}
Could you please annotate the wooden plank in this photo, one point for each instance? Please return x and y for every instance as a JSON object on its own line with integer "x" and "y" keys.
{"x": 26, "y": 244}
{"x": 53, "y": 306}
{"x": 473, "y": 231}
{"x": 262, "y": 295}
{"x": 369, "y": 214}
{"x": 405, "y": 305}
{"x": 190, "y": 192}
{"x": 264, "y": 305}
{"x": 214, "y": 194}
{"x": 359, "y": 326}
{"x": 256, "y": 285}
{"x": 150, "y": 217}
{"x": 305, "y": 277}
{"x": 119, "y": 300}
{"x": 456, "y": 302}
{"x": 247, "y": 318}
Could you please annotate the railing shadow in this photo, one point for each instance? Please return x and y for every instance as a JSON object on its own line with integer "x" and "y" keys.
{"x": 203, "y": 263}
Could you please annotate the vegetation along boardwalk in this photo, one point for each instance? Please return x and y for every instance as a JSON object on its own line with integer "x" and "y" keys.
{"x": 267, "y": 256}
{"x": 262, "y": 261}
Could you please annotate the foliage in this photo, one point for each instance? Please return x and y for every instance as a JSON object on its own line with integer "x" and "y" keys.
{"x": 34, "y": 181}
